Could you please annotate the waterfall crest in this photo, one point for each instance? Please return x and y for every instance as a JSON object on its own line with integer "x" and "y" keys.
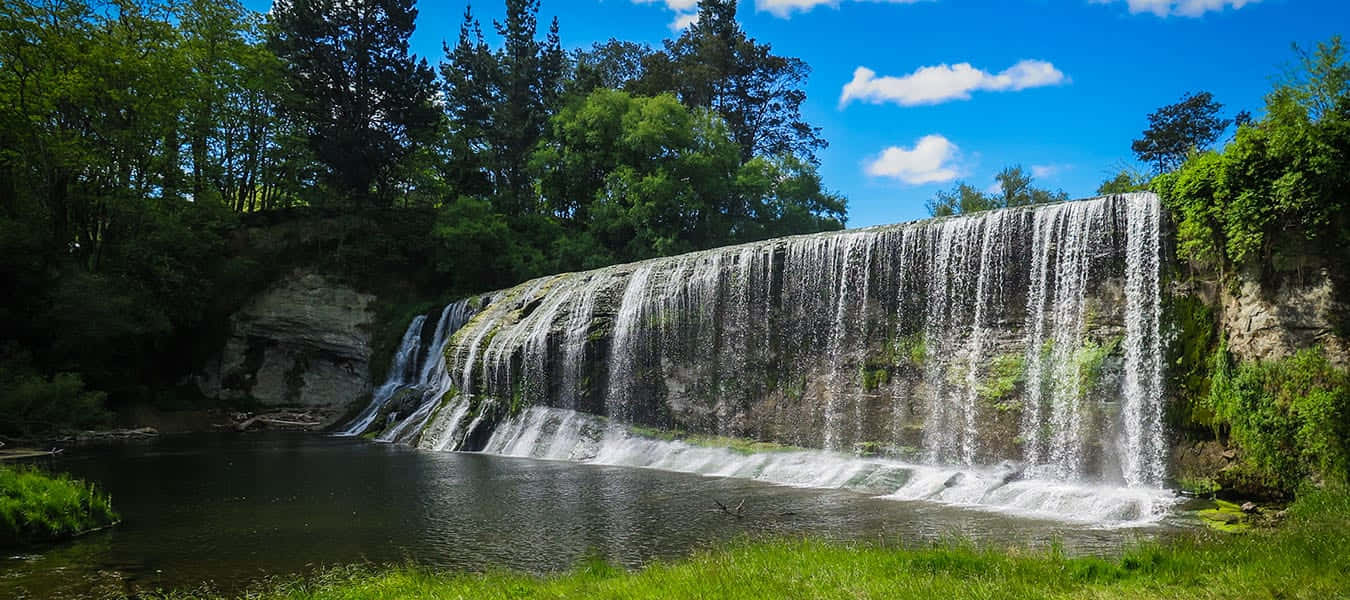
{"x": 1026, "y": 336}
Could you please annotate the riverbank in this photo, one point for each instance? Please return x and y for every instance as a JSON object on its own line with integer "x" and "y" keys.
{"x": 1306, "y": 557}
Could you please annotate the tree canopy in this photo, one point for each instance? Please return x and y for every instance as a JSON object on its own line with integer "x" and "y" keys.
{"x": 160, "y": 162}
{"x": 1013, "y": 187}
{"x": 1176, "y": 130}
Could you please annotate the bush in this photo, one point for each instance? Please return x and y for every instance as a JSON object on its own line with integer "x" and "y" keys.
{"x": 35, "y": 405}
{"x": 1290, "y": 417}
{"x": 36, "y": 507}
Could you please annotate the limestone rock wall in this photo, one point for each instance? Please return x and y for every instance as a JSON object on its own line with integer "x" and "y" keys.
{"x": 1263, "y": 324}
{"x": 304, "y": 342}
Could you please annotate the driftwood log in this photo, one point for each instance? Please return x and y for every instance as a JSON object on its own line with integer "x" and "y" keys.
{"x": 284, "y": 419}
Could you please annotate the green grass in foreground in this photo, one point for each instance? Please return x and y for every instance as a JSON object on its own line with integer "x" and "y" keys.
{"x": 1307, "y": 557}
{"x": 36, "y": 507}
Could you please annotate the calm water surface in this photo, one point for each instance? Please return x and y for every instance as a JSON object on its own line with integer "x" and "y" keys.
{"x": 229, "y": 510}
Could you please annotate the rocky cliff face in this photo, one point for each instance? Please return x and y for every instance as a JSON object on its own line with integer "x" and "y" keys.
{"x": 1263, "y": 324}
{"x": 304, "y": 342}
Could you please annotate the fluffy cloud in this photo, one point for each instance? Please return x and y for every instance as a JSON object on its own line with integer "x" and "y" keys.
{"x": 931, "y": 160}
{"x": 1042, "y": 171}
{"x": 675, "y": 5}
{"x": 935, "y": 85}
{"x": 785, "y": 8}
{"x": 1184, "y": 8}
{"x": 683, "y": 20}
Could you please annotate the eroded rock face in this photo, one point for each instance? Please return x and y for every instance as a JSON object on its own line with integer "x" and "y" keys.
{"x": 304, "y": 342}
{"x": 1272, "y": 324}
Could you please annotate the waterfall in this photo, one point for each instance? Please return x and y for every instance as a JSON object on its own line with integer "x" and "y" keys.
{"x": 416, "y": 367}
{"x": 1027, "y": 337}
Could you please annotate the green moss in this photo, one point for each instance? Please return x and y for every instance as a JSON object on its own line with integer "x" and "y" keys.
{"x": 874, "y": 378}
{"x": 1088, "y": 360}
{"x": 909, "y": 351}
{"x": 37, "y": 507}
{"x": 1200, "y": 486}
{"x": 1226, "y": 517}
{"x": 1194, "y": 335}
{"x": 869, "y": 449}
{"x": 1006, "y": 373}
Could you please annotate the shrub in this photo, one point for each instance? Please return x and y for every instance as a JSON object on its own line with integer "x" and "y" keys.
{"x": 1291, "y": 417}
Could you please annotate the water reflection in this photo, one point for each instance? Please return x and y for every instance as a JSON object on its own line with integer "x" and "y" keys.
{"x": 233, "y": 509}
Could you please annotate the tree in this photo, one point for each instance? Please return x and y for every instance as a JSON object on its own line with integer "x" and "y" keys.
{"x": 640, "y": 176}
{"x": 531, "y": 76}
{"x": 713, "y": 64}
{"x": 1127, "y": 180}
{"x": 1275, "y": 198}
{"x": 500, "y": 103}
{"x": 1176, "y": 130}
{"x": 1014, "y": 189}
{"x": 362, "y": 99}
{"x": 963, "y": 198}
{"x": 615, "y": 64}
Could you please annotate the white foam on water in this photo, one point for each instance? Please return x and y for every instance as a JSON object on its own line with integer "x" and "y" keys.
{"x": 559, "y": 434}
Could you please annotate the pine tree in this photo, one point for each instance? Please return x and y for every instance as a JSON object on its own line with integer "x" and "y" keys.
{"x": 362, "y": 98}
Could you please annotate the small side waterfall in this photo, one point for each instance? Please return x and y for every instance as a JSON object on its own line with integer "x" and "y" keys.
{"x": 1014, "y": 355}
{"x": 418, "y": 368}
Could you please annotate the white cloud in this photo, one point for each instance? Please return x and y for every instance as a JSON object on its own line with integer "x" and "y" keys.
{"x": 683, "y": 6}
{"x": 931, "y": 160}
{"x": 941, "y": 83}
{"x": 1183, "y": 8}
{"x": 682, "y": 21}
{"x": 686, "y": 11}
{"x": 785, "y": 8}
{"x": 1042, "y": 171}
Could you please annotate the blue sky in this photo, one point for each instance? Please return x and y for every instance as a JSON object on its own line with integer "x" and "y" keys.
{"x": 960, "y": 88}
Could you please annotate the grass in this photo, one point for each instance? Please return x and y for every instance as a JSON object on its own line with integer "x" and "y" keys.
{"x": 37, "y": 507}
{"x": 1307, "y": 557}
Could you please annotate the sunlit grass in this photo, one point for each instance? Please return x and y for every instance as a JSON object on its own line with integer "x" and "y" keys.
{"x": 35, "y": 506}
{"x": 1307, "y": 557}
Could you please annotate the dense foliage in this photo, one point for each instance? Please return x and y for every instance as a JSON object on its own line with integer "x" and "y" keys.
{"x": 1307, "y": 557}
{"x": 36, "y": 507}
{"x": 1291, "y": 417}
{"x": 160, "y": 162}
{"x": 1279, "y": 190}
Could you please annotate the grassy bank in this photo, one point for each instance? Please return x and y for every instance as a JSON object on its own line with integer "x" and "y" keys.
{"x": 37, "y": 507}
{"x": 1307, "y": 557}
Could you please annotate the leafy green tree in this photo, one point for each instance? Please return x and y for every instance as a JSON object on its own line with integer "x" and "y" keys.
{"x": 363, "y": 100}
{"x": 1014, "y": 189}
{"x": 642, "y": 176}
{"x": 1176, "y": 130}
{"x": 784, "y": 196}
{"x": 1127, "y": 180}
